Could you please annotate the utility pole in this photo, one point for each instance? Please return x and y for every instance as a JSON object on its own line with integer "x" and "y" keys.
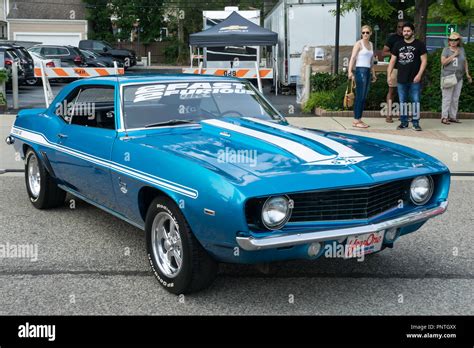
{"x": 336, "y": 51}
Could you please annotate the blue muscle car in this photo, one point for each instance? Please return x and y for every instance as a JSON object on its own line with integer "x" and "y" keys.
{"x": 213, "y": 173}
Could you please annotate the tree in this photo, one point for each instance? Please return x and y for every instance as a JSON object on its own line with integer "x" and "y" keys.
{"x": 98, "y": 16}
{"x": 452, "y": 11}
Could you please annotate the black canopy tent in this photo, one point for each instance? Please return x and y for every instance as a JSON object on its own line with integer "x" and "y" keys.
{"x": 235, "y": 30}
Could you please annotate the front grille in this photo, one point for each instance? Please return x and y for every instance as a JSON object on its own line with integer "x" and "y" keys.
{"x": 348, "y": 204}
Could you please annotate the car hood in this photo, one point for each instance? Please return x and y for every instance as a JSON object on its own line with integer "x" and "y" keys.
{"x": 250, "y": 151}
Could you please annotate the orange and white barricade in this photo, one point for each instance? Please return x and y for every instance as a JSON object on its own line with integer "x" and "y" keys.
{"x": 52, "y": 73}
{"x": 244, "y": 73}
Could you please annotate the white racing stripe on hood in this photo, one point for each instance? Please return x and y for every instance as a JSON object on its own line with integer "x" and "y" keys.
{"x": 301, "y": 151}
{"x": 342, "y": 150}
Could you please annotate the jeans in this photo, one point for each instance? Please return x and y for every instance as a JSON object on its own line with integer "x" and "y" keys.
{"x": 362, "y": 78}
{"x": 409, "y": 91}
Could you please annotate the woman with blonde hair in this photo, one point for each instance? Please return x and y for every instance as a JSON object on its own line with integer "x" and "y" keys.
{"x": 453, "y": 68}
{"x": 362, "y": 58}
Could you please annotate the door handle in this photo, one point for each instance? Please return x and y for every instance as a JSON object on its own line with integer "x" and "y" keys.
{"x": 62, "y": 136}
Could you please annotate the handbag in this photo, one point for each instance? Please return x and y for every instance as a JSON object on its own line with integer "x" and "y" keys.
{"x": 349, "y": 95}
{"x": 449, "y": 81}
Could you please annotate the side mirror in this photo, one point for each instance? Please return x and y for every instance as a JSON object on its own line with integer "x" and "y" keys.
{"x": 105, "y": 49}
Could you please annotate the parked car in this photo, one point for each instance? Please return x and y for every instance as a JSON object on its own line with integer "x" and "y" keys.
{"x": 127, "y": 57}
{"x": 97, "y": 60}
{"x": 48, "y": 63}
{"x": 70, "y": 56}
{"x": 214, "y": 173}
{"x": 26, "y": 61}
{"x": 435, "y": 42}
{"x": 10, "y": 57}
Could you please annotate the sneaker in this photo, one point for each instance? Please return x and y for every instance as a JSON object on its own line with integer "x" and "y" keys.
{"x": 417, "y": 128}
{"x": 402, "y": 126}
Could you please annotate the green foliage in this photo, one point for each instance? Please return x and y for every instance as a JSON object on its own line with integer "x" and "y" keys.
{"x": 329, "y": 90}
{"x": 450, "y": 13}
{"x": 326, "y": 81}
{"x": 431, "y": 95}
{"x": 320, "y": 99}
{"x": 171, "y": 52}
{"x": 98, "y": 15}
{"x": 377, "y": 93}
{"x": 149, "y": 14}
{"x": 3, "y": 75}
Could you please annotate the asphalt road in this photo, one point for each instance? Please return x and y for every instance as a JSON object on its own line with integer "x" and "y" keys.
{"x": 92, "y": 263}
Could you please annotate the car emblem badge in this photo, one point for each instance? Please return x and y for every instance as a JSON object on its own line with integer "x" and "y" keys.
{"x": 123, "y": 186}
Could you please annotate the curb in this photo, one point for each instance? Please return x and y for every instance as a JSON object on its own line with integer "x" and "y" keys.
{"x": 374, "y": 114}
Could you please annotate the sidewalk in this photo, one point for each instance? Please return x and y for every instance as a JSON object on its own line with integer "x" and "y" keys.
{"x": 432, "y": 128}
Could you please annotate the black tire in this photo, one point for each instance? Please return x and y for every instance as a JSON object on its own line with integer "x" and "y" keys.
{"x": 198, "y": 269}
{"x": 49, "y": 194}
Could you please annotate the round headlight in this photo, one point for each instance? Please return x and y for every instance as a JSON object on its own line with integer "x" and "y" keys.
{"x": 421, "y": 189}
{"x": 276, "y": 212}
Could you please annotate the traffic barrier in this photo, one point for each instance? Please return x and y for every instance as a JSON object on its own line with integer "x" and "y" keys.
{"x": 240, "y": 72}
{"x": 78, "y": 72}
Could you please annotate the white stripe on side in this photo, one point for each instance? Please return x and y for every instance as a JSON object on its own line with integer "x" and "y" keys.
{"x": 303, "y": 152}
{"x": 148, "y": 178}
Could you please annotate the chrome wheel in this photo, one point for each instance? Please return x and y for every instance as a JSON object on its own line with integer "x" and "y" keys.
{"x": 166, "y": 244}
{"x": 34, "y": 176}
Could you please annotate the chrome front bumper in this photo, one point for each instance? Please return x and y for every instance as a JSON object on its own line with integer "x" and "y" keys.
{"x": 278, "y": 241}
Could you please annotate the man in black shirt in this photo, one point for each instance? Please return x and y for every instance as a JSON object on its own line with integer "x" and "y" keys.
{"x": 392, "y": 85}
{"x": 411, "y": 57}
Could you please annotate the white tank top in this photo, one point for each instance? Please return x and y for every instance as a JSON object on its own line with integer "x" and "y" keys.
{"x": 364, "y": 58}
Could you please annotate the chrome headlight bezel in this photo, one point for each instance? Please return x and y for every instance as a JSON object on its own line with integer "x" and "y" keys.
{"x": 429, "y": 194}
{"x": 288, "y": 203}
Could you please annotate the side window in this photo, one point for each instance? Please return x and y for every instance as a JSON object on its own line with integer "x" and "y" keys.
{"x": 50, "y": 51}
{"x": 62, "y": 51}
{"x": 35, "y": 49}
{"x": 94, "y": 107}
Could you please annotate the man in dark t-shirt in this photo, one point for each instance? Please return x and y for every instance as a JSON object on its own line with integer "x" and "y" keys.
{"x": 392, "y": 85}
{"x": 411, "y": 57}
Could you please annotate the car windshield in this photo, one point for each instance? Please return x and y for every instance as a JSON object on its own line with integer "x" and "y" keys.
{"x": 159, "y": 104}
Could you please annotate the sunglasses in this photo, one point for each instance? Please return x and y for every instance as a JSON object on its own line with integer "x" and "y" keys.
{"x": 365, "y": 32}
{"x": 453, "y": 39}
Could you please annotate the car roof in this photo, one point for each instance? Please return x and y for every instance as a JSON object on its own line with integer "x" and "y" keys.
{"x": 41, "y": 45}
{"x": 150, "y": 78}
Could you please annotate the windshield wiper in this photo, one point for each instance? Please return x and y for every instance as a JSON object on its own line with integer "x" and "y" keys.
{"x": 169, "y": 123}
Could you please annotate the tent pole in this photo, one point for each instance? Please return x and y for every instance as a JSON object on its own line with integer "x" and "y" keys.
{"x": 275, "y": 63}
{"x": 191, "y": 55}
{"x": 259, "y": 81}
